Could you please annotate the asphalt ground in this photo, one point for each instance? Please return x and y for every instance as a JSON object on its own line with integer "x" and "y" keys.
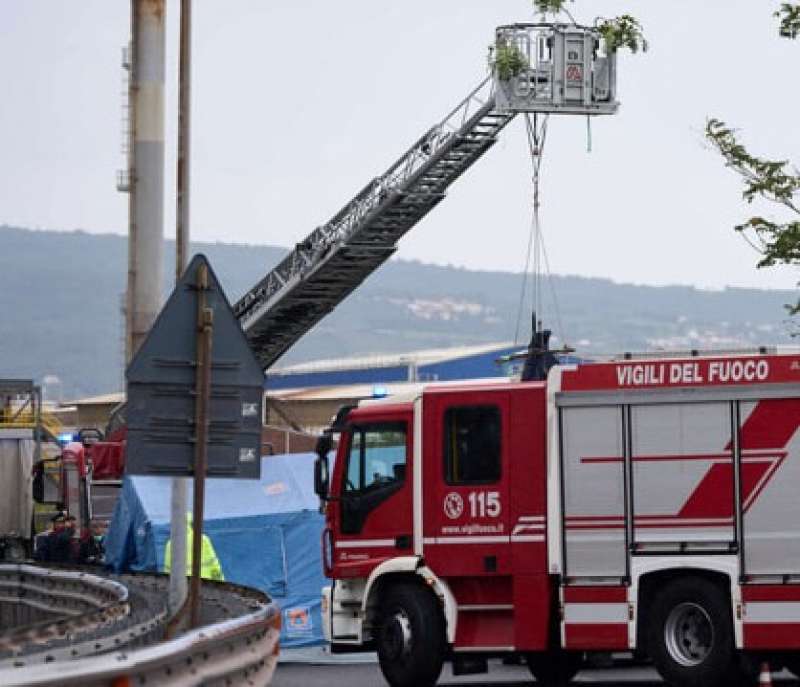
{"x": 305, "y": 675}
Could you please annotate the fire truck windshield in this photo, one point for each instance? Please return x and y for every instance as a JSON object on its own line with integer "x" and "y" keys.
{"x": 377, "y": 457}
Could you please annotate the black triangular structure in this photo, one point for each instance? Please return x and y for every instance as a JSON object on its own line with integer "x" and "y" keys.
{"x": 540, "y": 358}
{"x": 161, "y": 389}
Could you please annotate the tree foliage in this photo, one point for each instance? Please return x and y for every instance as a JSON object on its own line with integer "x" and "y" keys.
{"x": 554, "y": 6}
{"x": 790, "y": 20}
{"x": 623, "y": 32}
{"x": 508, "y": 61}
{"x": 775, "y": 181}
{"x": 772, "y": 180}
{"x": 620, "y": 32}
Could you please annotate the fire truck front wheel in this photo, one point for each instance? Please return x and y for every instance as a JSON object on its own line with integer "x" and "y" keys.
{"x": 690, "y": 634}
{"x": 411, "y": 637}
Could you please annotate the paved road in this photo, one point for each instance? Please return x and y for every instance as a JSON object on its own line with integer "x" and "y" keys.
{"x": 297, "y": 675}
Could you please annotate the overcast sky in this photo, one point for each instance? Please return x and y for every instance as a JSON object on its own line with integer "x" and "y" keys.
{"x": 298, "y": 104}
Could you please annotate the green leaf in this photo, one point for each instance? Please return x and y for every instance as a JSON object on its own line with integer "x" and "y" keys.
{"x": 789, "y": 15}
{"x": 509, "y": 61}
{"x": 549, "y": 6}
{"x": 623, "y": 32}
{"x": 772, "y": 180}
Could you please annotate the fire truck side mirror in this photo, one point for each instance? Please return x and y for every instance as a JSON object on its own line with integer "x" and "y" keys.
{"x": 321, "y": 477}
{"x": 321, "y": 472}
{"x": 324, "y": 444}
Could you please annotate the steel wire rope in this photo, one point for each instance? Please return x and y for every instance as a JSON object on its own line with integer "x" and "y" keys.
{"x": 524, "y": 286}
{"x": 535, "y": 150}
{"x": 537, "y": 137}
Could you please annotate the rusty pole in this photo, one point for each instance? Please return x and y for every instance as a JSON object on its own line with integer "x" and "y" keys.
{"x": 184, "y": 140}
{"x": 177, "y": 583}
{"x": 205, "y": 331}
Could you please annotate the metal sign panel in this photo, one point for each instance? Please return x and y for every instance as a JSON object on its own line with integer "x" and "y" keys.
{"x": 162, "y": 390}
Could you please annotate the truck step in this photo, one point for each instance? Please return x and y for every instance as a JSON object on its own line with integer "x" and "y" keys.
{"x": 469, "y": 665}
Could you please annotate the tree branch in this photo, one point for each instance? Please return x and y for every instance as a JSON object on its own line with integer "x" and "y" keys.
{"x": 789, "y": 15}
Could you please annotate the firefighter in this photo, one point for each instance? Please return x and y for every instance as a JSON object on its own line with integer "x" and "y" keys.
{"x": 59, "y": 541}
{"x": 91, "y": 545}
{"x": 42, "y": 543}
{"x": 72, "y": 534}
{"x": 210, "y": 569}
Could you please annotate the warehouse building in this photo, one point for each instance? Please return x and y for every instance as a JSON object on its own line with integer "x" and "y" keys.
{"x": 305, "y": 396}
{"x": 439, "y": 365}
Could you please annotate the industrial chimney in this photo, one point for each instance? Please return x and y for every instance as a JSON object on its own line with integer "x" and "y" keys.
{"x": 145, "y": 176}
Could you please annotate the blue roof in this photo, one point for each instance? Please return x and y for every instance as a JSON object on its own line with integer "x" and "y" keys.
{"x": 471, "y": 364}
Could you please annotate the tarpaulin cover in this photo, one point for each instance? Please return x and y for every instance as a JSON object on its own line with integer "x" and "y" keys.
{"x": 266, "y": 534}
{"x": 108, "y": 459}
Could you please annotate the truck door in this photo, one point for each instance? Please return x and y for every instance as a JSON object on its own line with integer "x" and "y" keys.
{"x": 465, "y": 486}
{"x": 374, "y": 510}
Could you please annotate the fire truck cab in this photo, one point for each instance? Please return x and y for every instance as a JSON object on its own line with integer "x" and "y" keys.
{"x": 644, "y": 506}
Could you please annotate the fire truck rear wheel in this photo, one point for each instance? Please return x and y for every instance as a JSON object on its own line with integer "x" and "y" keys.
{"x": 411, "y": 637}
{"x": 554, "y": 668}
{"x": 690, "y": 634}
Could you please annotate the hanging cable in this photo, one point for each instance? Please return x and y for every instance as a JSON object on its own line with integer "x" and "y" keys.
{"x": 562, "y": 333}
{"x": 537, "y": 137}
{"x": 536, "y": 140}
{"x": 524, "y": 286}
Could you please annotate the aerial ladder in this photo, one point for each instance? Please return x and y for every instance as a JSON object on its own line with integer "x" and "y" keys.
{"x": 541, "y": 68}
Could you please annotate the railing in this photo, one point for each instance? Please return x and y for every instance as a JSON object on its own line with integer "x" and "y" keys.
{"x": 26, "y": 419}
{"x": 87, "y": 630}
{"x": 124, "y": 175}
{"x": 554, "y": 68}
{"x": 236, "y": 652}
{"x": 348, "y": 220}
{"x": 62, "y": 613}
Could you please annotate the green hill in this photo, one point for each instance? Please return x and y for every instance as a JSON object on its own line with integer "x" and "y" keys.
{"x": 61, "y": 295}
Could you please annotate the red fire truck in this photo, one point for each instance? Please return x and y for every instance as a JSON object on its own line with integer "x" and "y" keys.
{"x": 644, "y": 506}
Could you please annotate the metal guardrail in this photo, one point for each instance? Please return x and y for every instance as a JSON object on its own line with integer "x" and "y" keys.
{"x": 243, "y": 651}
{"x": 88, "y": 630}
{"x": 64, "y": 614}
{"x": 58, "y": 591}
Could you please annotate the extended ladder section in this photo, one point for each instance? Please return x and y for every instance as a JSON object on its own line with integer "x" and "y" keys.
{"x": 548, "y": 68}
{"x": 335, "y": 258}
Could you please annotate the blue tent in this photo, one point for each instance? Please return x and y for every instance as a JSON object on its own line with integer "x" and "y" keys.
{"x": 266, "y": 534}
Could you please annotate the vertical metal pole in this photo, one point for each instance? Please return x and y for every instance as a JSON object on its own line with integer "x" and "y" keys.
{"x": 37, "y": 393}
{"x": 178, "y": 529}
{"x": 205, "y": 329}
{"x": 178, "y": 544}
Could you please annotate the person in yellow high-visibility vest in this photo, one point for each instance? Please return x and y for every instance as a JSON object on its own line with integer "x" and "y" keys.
{"x": 210, "y": 569}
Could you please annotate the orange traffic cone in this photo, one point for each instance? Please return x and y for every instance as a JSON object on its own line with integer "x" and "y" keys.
{"x": 765, "y": 676}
